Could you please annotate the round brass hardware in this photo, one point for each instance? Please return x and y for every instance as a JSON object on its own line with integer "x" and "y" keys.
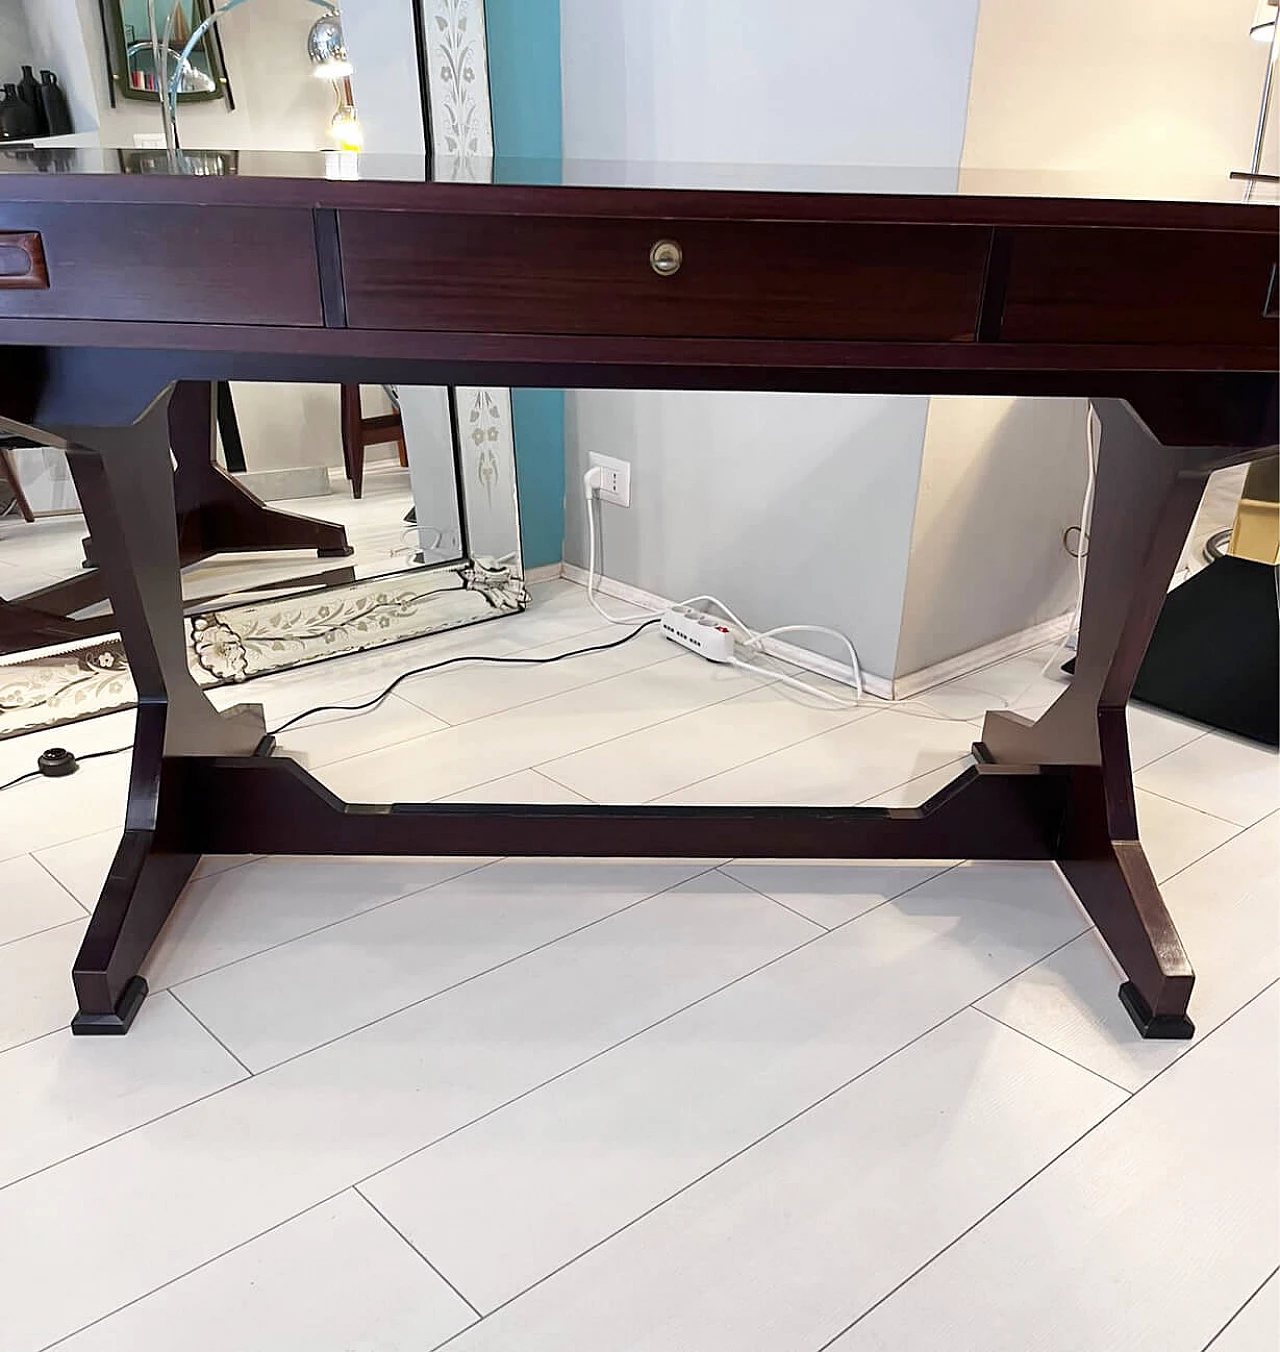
{"x": 665, "y": 258}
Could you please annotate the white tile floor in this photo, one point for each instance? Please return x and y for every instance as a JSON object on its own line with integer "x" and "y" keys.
{"x": 708, "y": 1105}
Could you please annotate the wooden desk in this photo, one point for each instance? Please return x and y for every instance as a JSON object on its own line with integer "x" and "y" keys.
{"x": 1164, "y": 313}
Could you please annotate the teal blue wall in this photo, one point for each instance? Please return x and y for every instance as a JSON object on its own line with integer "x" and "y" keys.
{"x": 524, "y": 73}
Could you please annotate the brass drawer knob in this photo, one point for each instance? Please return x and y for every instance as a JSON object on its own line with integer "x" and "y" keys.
{"x": 665, "y": 258}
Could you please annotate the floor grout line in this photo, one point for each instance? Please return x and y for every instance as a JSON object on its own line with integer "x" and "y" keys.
{"x": 721, "y": 869}
{"x": 48, "y": 929}
{"x": 771, "y": 685}
{"x": 751, "y": 1145}
{"x": 182, "y": 1004}
{"x": 1253, "y": 1296}
{"x": 1043, "y": 1168}
{"x": 417, "y": 1252}
{"x": 475, "y": 976}
{"x": 1164, "y": 882}
{"x": 729, "y": 1159}
{"x": 342, "y": 920}
{"x": 116, "y": 1136}
{"x": 546, "y": 774}
{"x": 61, "y": 885}
{"x": 146, "y": 1295}
{"x": 1177, "y": 802}
{"x": 1135, "y": 771}
{"x": 674, "y": 1013}
{"x": 777, "y": 751}
{"x": 1079, "y": 1065}
{"x": 57, "y": 1032}
{"x": 596, "y": 1056}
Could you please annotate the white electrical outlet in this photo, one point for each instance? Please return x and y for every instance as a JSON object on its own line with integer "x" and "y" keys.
{"x": 615, "y": 479}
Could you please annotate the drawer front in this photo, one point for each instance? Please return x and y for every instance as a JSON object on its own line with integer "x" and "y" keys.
{"x": 109, "y": 261}
{"x": 733, "y": 279}
{"x": 1140, "y": 286}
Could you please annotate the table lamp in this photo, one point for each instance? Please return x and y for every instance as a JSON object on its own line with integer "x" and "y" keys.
{"x": 326, "y": 46}
{"x": 1263, "y": 29}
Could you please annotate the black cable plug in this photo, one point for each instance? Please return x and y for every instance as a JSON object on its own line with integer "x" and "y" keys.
{"x": 57, "y": 762}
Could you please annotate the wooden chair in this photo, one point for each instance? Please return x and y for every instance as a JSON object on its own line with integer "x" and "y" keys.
{"x": 9, "y": 471}
{"x": 359, "y": 432}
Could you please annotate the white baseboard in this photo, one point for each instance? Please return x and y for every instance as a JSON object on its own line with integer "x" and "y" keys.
{"x": 915, "y": 682}
{"x": 883, "y": 687}
{"x": 547, "y": 572}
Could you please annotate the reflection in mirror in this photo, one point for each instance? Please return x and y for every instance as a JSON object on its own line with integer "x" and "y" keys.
{"x": 132, "y": 49}
{"x": 313, "y": 520}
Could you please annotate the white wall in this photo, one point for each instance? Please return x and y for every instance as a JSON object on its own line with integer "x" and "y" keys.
{"x": 1126, "y": 85}
{"x": 15, "y": 41}
{"x": 1132, "y": 90}
{"x": 792, "y": 508}
{"x": 382, "y": 41}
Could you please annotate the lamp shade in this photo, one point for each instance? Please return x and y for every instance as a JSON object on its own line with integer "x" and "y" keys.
{"x": 327, "y": 49}
{"x": 1264, "y": 21}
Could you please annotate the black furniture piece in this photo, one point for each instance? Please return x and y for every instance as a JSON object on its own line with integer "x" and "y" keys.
{"x": 1215, "y": 654}
{"x": 1162, "y": 312}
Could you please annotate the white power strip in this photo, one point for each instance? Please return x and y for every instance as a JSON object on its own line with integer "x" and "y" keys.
{"x": 700, "y": 633}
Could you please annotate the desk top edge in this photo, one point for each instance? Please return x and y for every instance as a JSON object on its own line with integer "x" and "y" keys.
{"x": 570, "y": 199}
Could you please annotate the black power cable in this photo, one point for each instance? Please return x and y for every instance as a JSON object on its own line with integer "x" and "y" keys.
{"x": 75, "y": 762}
{"x": 456, "y": 661}
{"x": 368, "y": 704}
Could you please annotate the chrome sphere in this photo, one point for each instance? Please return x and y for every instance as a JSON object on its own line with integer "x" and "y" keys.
{"x": 327, "y": 48}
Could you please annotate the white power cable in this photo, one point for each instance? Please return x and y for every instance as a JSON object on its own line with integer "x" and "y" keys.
{"x": 1082, "y": 546}
{"x": 591, "y": 481}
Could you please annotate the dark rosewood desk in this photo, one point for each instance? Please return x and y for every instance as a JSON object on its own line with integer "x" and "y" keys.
{"x": 1162, "y": 312}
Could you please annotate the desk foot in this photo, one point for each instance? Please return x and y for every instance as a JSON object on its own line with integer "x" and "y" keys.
{"x": 1155, "y": 1026}
{"x": 120, "y": 1020}
{"x": 336, "y": 552}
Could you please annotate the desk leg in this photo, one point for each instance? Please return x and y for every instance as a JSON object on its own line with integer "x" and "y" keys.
{"x": 125, "y": 482}
{"x": 216, "y": 514}
{"x": 1147, "y": 496}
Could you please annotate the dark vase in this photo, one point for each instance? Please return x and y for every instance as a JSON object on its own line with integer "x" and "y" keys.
{"x": 29, "y": 93}
{"x": 53, "y": 102}
{"x": 18, "y": 120}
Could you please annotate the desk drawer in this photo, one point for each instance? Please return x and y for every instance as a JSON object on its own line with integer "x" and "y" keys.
{"x": 1140, "y": 286}
{"x": 733, "y": 279}
{"x": 181, "y": 264}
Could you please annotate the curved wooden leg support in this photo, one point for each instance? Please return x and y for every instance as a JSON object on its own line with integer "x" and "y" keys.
{"x": 125, "y": 482}
{"x": 142, "y": 886}
{"x": 1147, "y": 496}
{"x": 1100, "y": 855}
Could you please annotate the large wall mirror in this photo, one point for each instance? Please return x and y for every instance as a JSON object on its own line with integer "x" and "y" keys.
{"x": 314, "y": 520}
{"x": 131, "y": 51}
